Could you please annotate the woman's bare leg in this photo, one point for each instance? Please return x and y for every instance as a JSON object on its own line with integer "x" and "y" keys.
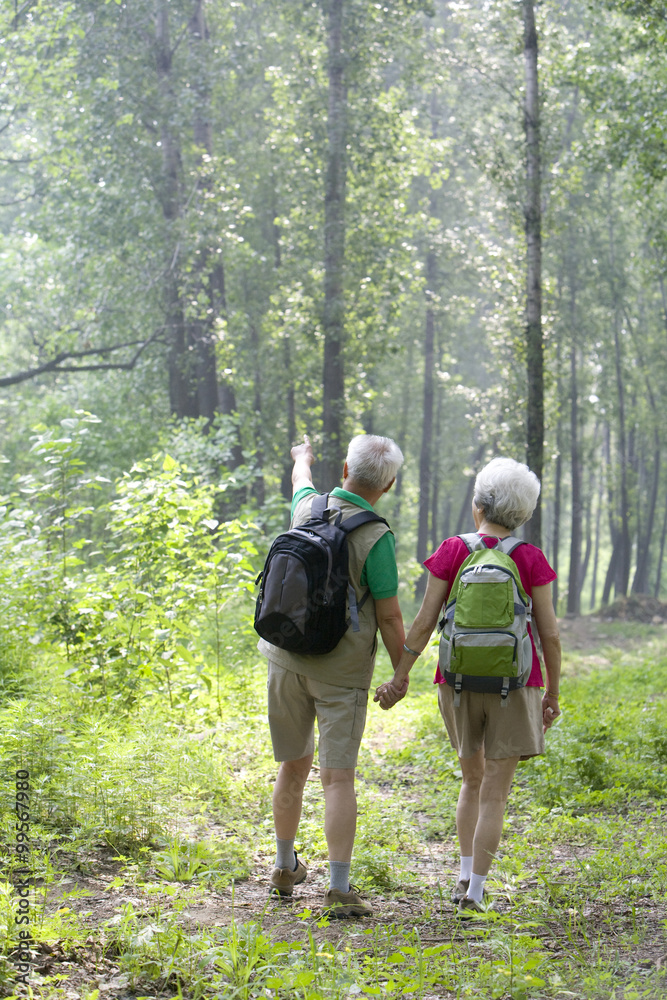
{"x": 493, "y": 793}
{"x": 467, "y": 808}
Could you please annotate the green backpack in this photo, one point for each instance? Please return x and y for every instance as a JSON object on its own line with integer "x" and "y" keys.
{"x": 484, "y": 641}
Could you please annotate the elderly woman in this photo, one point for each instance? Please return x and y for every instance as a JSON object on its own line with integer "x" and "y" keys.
{"x": 490, "y": 738}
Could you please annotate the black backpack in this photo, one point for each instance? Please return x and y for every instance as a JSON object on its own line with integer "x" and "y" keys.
{"x": 305, "y": 585}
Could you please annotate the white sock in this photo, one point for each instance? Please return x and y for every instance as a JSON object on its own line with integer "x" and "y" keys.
{"x": 466, "y": 869}
{"x": 285, "y": 854}
{"x": 339, "y": 875}
{"x": 476, "y": 887}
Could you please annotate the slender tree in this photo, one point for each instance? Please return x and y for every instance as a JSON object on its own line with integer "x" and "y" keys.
{"x": 553, "y": 552}
{"x": 621, "y": 514}
{"x": 533, "y": 234}
{"x": 649, "y": 481}
{"x": 182, "y": 396}
{"x": 425, "y": 453}
{"x": 333, "y": 378}
{"x": 209, "y": 270}
{"x": 576, "y": 506}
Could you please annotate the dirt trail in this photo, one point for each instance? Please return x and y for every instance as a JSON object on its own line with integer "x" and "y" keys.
{"x": 101, "y": 891}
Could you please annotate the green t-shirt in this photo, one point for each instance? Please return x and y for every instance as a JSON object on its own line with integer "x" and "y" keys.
{"x": 379, "y": 574}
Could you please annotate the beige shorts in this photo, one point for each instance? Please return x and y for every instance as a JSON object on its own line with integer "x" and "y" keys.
{"x": 480, "y": 721}
{"x": 295, "y": 701}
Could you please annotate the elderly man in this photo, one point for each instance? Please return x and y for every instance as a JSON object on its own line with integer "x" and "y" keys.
{"x": 333, "y": 688}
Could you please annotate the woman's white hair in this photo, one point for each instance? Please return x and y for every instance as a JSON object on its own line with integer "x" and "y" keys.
{"x": 506, "y": 492}
{"x": 373, "y": 461}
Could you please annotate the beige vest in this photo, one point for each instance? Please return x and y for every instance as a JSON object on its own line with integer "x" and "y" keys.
{"x": 352, "y": 662}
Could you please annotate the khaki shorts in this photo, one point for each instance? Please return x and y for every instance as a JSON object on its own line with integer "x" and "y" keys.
{"x": 295, "y": 701}
{"x": 480, "y": 721}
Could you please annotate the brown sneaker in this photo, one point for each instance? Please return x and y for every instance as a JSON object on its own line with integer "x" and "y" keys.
{"x": 283, "y": 880}
{"x": 338, "y": 905}
{"x": 460, "y": 891}
{"x": 468, "y": 908}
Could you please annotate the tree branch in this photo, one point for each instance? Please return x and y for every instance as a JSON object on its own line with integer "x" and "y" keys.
{"x": 57, "y": 363}
{"x": 18, "y": 201}
{"x": 22, "y": 10}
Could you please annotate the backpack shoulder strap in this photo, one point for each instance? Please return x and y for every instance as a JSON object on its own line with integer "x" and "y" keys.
{"x": 509, "y": 544}
{"x": 319, "y": 505}
{"x": 348, "y": 525}
{"x": 363, "y": 517}
{"x": 472, "y": 541}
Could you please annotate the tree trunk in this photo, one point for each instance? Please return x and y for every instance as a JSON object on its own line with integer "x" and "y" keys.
{"x": 588, "y": 533}
{"x": 290, "y": 399}
{"x": 622, "y": 576}
{"x": 620, "y": 515}
{"x": 640, "y": 583}
{"x": 425, "y": 456}
{"x": 436, "y": 465}
{"x": 209, "y": 266}
{"x": 464, "y": 521}
{"x": 406, "y": 399}
{"x": 553, "y": 554}
{"x": 574, "y": 581}
{"x": 426, "y": 470}
{"x": 596, "y": 552}
{"x": 555, "y": 542}
{"x": 206, "y": 341}
{"x": 193, "y": 384}
{"x": 286, "y": 479}
{"x": 533, "y": 232}
{"x": 613, "y": 529}
{"x": 182, "y": 401}
{"x": 259, "y": 490}
{"x": 333, "y": 380}
{"x": 663, "y": 537}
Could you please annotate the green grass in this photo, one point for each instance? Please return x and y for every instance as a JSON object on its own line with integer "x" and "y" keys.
{"x": 175, "y": 806}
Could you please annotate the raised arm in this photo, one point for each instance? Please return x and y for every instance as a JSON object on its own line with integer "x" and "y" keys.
{"x": 303, "y": 458}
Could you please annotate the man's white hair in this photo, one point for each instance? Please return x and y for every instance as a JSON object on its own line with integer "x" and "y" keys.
{"x": 506, "y": 492}
{"x": 373, "y": 461}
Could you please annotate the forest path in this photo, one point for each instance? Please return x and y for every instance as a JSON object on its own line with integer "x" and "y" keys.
{"x": 87, "y": 964}
{"x": 94, "y": 890}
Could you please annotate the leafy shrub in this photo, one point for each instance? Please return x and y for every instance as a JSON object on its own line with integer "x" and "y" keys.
{"x": 611, "y": 742}
{"x": 169, "y": 570}
{"x": 141, "y": 611}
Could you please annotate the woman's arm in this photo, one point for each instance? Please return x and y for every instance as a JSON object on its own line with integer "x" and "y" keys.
{"x": 547, "y": 629}
{"x": 420, "y": 633}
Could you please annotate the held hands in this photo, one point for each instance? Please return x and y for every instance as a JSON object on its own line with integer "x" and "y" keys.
{"x": 389, "y": 694}
{"x": 550, "y": 710}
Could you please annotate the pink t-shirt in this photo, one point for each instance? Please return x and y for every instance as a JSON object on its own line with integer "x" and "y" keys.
{"x": 534, "y": 571}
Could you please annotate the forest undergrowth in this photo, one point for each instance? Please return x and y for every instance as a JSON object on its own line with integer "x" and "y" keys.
{"x": 149, "y": 845}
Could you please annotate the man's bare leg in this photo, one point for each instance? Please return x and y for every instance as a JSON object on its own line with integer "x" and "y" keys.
{"x": 288, "y": 796}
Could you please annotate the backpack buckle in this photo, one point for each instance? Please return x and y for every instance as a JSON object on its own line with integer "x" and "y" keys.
{"x": 504, "y": 691}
